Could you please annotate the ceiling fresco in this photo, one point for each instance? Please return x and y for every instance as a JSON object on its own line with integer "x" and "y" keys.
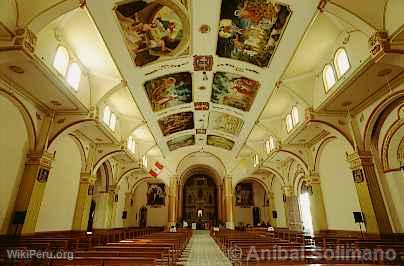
{"x": 226, "y": 123}
{"x": 169, "y": 90}
{"x": 220, "y": 142}
{"x": 250, "y": 30}
{"x": 152, "y": 29}
{"x": 234, "y": 90}
{"x": 180, "y": 142}
{"x": 176, "y": 122}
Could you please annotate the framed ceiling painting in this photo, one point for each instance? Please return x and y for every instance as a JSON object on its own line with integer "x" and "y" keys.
{"x": 220, "y": 142}
{"x": 250, "y": 30}
{"x": 225, "y": 122}
{"x": 153, "y": 29}
{"x": 169, "y": 90}
{"x": 180, "y": 142}
{"x": 176, "y": 122}
{"x": 234, "y": 90}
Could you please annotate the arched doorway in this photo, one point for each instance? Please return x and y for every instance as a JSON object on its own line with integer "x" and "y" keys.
{"x": 200, "y": 201}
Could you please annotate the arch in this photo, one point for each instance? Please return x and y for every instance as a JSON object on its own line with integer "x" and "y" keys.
{"x": 319, "y": 150}
{"x": 106, "y": 157}
{"x": 82, "y": 151}
{"x": 211, "y": 160}
{"x": 379, "y": 115}
{"x": 274, "y": 172}
{"x": 336, "y": 131}
{"x": 384, "y": 153}
{"x": 29, "y": 122}
{"x": 51, "y": 12}
{"x": 143, "y": 179}
{"x": 296, "y": 157}
{"x": 200, "y": 169}
{"x": 255, "y": 179}
{"x": 69, "y": 128}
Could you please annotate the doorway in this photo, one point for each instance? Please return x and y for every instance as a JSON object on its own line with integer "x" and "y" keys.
{"x": 91, "y": 216}
{"x": 304, "y": 202}
{"x": 143, "y": 217}
{"x": 256, "y": 216}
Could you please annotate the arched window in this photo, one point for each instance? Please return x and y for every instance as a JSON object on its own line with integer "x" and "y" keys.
{"x": 74, "y": 75}
{"x": 144, "y": 160}
{"x": 289, "y": 122}
{"x": 295, "y": 115}
{"x": 61, "y": 60}
{"x": 328, "y": 77}
{"x": 131, "y": 144}
{"x": 270, "y": 144}
{"x": 256, "y": 160}
{"x": 107, "y": 115}
{"x": 112, "y": 122}
{"x": 341, "y": 62}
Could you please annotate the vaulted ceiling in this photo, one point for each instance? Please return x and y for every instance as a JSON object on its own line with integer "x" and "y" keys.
{"x": 213, "y": 76}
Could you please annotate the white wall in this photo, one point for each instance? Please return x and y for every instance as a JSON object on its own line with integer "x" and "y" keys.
{"x": 61, "y": 190}
{"x": 395, "y": 181}
{"x": 14, "y": 147}
{"x": 245, "y": 215}
{"x": 338, "y": 187}
{"x": 155, "y": 216}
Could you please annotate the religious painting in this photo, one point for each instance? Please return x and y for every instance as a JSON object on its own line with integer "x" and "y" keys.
{"x": 234, "y": 90}
{"x": 225, "y": 122}
{"x": 250, "y": 30}
{"x": 169, "y": 90}
{"x": 357, "y": 175}
{"x": 176, "y": 122}
{"x": 220, "y": 142}
{"x": 152, "y": 29}
{"x": 180, "y": 142}
{"x": 244, "y": 195}
{"x": 156, "y": 194}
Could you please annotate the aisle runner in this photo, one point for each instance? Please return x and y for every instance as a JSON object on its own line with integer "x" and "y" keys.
{"x": 202, "y": 250}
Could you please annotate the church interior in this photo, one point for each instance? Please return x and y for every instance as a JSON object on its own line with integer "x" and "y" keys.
{"x": 186, "y": 132}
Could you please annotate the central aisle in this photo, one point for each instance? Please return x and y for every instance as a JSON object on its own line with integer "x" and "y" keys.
{"x": 203, "y": 250}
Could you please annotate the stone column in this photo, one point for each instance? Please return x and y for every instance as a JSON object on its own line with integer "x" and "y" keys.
{"x": 180, "y": 193}
{"x": 127, "y": 208}
{"x": 103, "y": 211}
{"x": 113, "y": 198}
{"x": 31, "y": 191}
{"x": 369, "y": 194}
{"x": 83, "y": 202}
{"x": 172, "y": 200}
{"x": 228, "y": 192}
{"x": 317, "y": 208}
{"x": 219, "y": 202}
{"x": 292, "y": 209}
{"x": 271, "y": 208}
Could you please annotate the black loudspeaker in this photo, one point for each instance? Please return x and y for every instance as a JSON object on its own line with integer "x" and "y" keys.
{"x": 358, "y": 217}
{"x": 124, "y": 214}
{"x": 274, "y": 214}
{"x": 19, "y": 217}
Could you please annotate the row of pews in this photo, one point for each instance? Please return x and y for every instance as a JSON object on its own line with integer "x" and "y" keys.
{"x": 257, "y": 246}
{"x": 131, "y": 246}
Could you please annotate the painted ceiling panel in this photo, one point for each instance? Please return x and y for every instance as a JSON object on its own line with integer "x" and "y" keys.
{"x": 176, "y": 122}
{"x": 250, "y": 30}
{"x": 180, "y": 142}
{"x": 169, "y": 90}
{"x": 226, "y": 123}
{"x": 234, "y": 90}
{"x": 153, "y": 30}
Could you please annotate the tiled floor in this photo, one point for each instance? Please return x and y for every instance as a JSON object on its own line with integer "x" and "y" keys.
{"x": 203, "y": 250}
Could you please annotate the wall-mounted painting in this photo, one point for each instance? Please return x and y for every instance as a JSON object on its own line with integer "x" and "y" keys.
{"x": 176, "y": 122}
{"x": 180, "y": 142}
{"x": 220, "y": 142}
{"x": 224, "y": 122}
{"x": 234, "y": 90}
{"x": 153, "y": 29}
{"x": 244, "y": 195}
{"x": 169, "y": 90}
{"x": 250, "y": 30}
{"x": 156, "y": 194}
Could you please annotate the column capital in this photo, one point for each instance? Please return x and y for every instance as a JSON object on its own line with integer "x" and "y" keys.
{"x": 87, "y": 178}
{"x": 358, "y": 160}
{"x": 25, "y": 39}
{"x": 379, "y": 44}
{"x": 312, "y": 178}
{"x": 43, "y": 159}
{"x": 287, "y": 190}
